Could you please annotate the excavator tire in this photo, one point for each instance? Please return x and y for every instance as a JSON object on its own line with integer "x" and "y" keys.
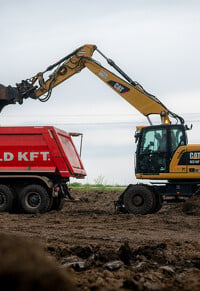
{"x": 158, "y": 203}
{"x": 139, "y": 199}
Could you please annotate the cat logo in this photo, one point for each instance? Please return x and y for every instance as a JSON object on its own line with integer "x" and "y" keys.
{"x": 194, "y": 155}
{"x": 118, "y": 87}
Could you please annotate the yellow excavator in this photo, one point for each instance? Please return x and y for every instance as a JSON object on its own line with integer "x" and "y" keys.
{"x": 163, "y": 155}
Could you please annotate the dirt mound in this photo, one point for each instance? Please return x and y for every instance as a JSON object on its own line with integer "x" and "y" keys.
{"x": 101, "y": 250}
{"x": 154, "y": 266}
{"x": 24, "y": 266}
{"x": 192, "y": 205}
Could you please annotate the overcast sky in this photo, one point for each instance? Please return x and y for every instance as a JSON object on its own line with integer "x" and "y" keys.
{"x": 155, "y": 42}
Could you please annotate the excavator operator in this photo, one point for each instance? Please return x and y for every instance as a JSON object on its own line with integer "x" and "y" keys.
{"x": 162, "y": 141}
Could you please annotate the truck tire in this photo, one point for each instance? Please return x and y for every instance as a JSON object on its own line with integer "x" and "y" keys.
{"x": 34, "y": 198}
{"x": 139, "y": 199}
{"x": 6, "y": 198}
{"x": 58, "y": 203}
{"x": 50, "y": 203}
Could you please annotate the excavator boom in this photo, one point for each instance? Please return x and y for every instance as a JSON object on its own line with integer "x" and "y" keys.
{"x": 39, "y": 87}
{"x": 135, "y": 95}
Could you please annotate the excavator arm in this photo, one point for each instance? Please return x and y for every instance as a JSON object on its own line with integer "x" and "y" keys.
{"x": 40, "y": 87}
{"x": 65, "y": 68}
{"x": 134, "y": 94}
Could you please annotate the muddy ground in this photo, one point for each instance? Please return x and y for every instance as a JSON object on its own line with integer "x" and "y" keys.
{"x": 101, "y": 250}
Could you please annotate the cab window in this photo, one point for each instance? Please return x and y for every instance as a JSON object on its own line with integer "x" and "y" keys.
{"x": 154, "y": 141}
{"x": 177, "y": 138}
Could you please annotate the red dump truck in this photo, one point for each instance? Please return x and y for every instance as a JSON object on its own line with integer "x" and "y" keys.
{"x": 36, "y": 163}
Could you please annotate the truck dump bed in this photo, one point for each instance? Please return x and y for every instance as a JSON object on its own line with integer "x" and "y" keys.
{"x": 39, "y": 149}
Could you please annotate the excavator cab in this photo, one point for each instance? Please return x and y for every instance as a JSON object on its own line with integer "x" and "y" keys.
{"x": 156, "y": 146}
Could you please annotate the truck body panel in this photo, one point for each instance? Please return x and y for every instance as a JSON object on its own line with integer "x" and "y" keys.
{"x": 39, "y": 149}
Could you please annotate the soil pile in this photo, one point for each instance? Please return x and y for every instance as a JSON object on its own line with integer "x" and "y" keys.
{"x": 25, "y": 266}
{"x": 101, "y": 250}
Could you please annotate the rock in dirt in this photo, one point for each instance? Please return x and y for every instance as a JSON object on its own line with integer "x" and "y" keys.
{"x": 75, "y": 262}
{"x": 131, "y": 284}
{"x": 196, "y": 262}
{"x": 82, "y": 252}
{"x": 114, "y": 265}
{"x": 125, "y": 253}
{"x": 189, "y": 280}
{"x": 167, "y": 270}
{"x": 153, "y": 252}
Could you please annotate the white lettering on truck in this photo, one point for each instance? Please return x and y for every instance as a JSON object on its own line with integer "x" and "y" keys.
{"x": 45, "y": 156}
{"x": 33, "y": 156}
{"x": 8, "y": 157}
{"x": 25, "y": 156}
{"x": 22, "y": 157}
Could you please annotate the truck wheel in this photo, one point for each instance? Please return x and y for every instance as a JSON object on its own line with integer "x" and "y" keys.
{"x": 34, "y": 198}
{"x": 50, "y": 203}
{"x": 139, "y": 199}
{"x": 6, "y": 198}
{"x": 58, "y": 203}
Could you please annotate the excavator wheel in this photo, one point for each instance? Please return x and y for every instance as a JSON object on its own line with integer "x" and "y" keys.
{"x": 139, "y": 199}
{"x": 158, "y": 203}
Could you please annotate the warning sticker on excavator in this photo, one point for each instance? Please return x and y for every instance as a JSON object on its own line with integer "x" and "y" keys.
{"x": 103, "y": 75}
{"x": 82, "y": 52}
